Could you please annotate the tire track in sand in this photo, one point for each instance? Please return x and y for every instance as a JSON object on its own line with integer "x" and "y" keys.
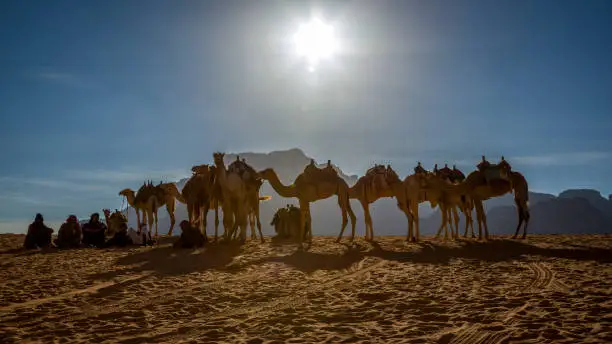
{"x": 267, "y": 308}
{"x": 92, "y": 289}
{"x": 543, "y": 279}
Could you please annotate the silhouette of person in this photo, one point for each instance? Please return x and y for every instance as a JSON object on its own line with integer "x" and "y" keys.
{"x": 419, "y": 168}
{"x": 483, "y": 164}
{"x": 39, "y": 235}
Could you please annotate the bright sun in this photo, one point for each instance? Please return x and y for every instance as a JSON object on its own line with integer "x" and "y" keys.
{"x": 315, "y": 41}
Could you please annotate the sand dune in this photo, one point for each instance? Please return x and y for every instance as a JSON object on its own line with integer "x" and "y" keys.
{"x": 547, "y": 289}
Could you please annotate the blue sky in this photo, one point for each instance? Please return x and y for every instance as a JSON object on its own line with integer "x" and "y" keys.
{"x": 100, "y": 95}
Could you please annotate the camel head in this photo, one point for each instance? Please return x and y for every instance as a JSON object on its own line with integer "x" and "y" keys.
{"x": 126, "y": 192}
{"x": 218, "y": 158}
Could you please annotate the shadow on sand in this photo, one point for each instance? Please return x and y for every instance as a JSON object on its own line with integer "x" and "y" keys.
{"x": 169, "y": 261}
{"x": 496, "y": 250}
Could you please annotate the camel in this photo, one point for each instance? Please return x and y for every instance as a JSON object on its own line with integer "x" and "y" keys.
{"x": 150, "y": 198}
{"x": 198, "y": 195}
{"x": 235, "y": 198}
{"x": 377, "y": 183}
{"x": 286, "y": 222}
{"x": 114, "y": 220}
{"x": 310, "y": 186}
{"x": 481, "y": 185}
{"x": 253, "y": 183}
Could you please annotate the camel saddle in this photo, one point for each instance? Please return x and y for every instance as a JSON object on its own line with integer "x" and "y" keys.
{"x": 146, "y": 190}
{"x": 495, "y": 172}
{"x": 315, "y": 175}
{"x": 244, "y": 170}
{"x": 457, "y": 176}
{"x": 377, "y": 178}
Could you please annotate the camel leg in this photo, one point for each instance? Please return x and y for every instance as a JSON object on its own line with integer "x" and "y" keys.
{"x": 443, "y": 223}
{"x": 456, "y": 218}
{"x": 468, "y": 219}
{"x": 170, "y": 209}
{"x": 344, "y": 224}
{"x": 482, "y": 221}
{"x": 259, "y": 223}
{"x": 156, "y": 223}
{"x": 204, "y": 217}
{"x": 471, "y": 219}
{"x": 405, "y": 208}
{"x": 139, "y": 225}
{"x": 523, "y": 214}
{"x": 150, "y": 220}
{"x": 216, "y": 221}
{"x": 304, "y": 213}
{"x": 415, "y": 218}
{"x": 353, "y": 218}
{"x": 190, "y": 208}
{"x": 242, "y": 219}
{"x": 228, "y": 222}
{"x": 369, "y": 231}
{"x": 526, "y": 216}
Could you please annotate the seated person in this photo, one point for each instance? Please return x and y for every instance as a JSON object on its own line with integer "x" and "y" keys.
{"x": 457, "y": 174}
{"x": 504, "y": 164}
{"x": 120, "y": 238}
{"x": 419, "y": 169}
{"x": 310, "y": 168}
{"x": 484, "y": 164}
{"x": 94, "y": 231}
{"x": 445, "y": 172}
{"x": 191, "y": 237}
{"x": 69, "y": 234}
{"x": 38, "y": 235}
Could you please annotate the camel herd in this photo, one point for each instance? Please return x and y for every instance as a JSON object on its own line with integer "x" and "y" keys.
{"x": 235, "y": 189}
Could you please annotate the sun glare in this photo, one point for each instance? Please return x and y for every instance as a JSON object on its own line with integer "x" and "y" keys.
{"x": 315, "y": 41}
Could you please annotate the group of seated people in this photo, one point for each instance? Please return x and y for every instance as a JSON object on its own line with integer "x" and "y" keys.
{"x": 93, "y": 234}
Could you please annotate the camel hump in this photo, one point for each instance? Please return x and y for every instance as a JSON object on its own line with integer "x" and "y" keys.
{"x": 145, "y": 192}
{"x": 246, "y": 172}
{"x": 377, "y": 169}
{"x": 313, "y": 174}
{"x": 495, "y": 172}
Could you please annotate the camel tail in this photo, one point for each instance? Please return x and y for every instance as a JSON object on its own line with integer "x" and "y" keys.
{"x": 265, "y": 198}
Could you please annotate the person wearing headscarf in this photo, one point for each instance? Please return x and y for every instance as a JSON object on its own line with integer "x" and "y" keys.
{"x": 39, "y": 235}
{"x": 69, "y": 234}
{"x": 94, "y": 231}
{"x": 191, "y": 237}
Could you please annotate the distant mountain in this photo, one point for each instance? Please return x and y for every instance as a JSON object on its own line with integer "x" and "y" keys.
{"x": 573, "y": 211}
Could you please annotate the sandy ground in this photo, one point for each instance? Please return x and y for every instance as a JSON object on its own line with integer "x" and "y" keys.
{"x": 547, "y": 289}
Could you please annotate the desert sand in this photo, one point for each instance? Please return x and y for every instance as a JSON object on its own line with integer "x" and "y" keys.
{"x": 546, "y": 289}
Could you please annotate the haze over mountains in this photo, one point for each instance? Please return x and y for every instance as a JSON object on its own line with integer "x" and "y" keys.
{"x": 572, "y": 211}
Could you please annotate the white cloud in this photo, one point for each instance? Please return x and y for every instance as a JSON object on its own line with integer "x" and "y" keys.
{"x": 54, "y": 184}
{"x": 60, "y": 78}
{"x": 561, "y": 159}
